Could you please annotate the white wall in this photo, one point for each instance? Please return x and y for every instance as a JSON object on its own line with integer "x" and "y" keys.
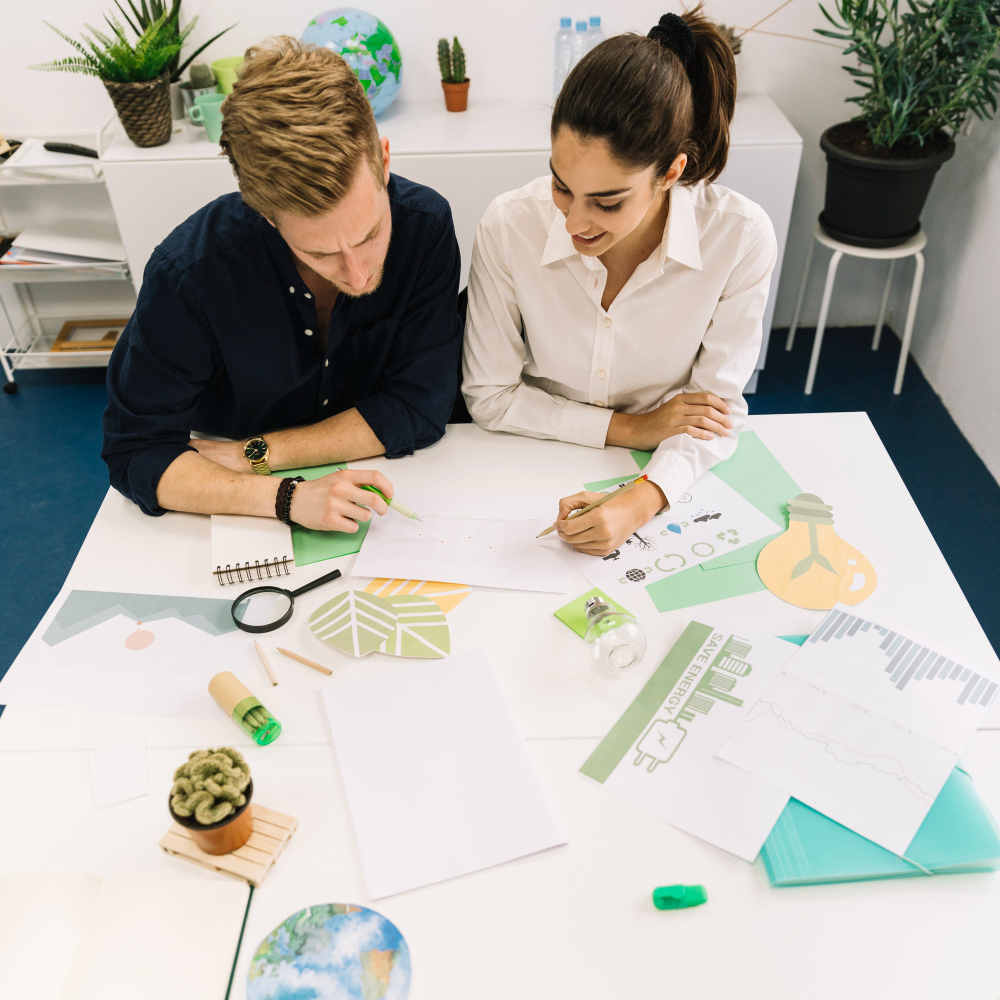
{"x": 509, "y": 53}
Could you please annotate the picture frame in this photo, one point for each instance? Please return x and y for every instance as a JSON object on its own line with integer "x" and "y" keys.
{"x": 112, "y": 331}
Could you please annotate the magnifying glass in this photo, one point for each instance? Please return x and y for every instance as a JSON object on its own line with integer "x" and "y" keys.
{"x": 263, "y": 609}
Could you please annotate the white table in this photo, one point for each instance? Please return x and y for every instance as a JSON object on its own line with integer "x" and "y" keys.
{"x": 576, "y": 921}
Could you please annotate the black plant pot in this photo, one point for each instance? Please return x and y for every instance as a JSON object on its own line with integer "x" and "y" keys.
{"x": 876, "y": 201}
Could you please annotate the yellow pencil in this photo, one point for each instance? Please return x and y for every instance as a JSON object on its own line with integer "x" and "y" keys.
{"x": 624, "y": 488}
{"x": 267, "y": 666}
{"x": 308, "y": 663}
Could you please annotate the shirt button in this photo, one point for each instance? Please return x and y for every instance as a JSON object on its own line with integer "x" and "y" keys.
{"x": 607, "y": 321}
{"x": 307, "y": 295}
{"x": 326, "y": 364}
{"x": 602, "y": 374}
{"x": 291, "y": 289}
{"x": 325, "y": 402}
{"x": 308, "y": 333}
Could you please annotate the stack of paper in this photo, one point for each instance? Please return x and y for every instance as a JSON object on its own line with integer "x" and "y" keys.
{"x": 73, "y": 242}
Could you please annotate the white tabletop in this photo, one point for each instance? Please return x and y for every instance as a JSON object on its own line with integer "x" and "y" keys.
{"x": 576, "y": 921}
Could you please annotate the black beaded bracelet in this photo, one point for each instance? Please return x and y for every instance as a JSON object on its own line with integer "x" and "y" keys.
{"x": 283, "y": 501}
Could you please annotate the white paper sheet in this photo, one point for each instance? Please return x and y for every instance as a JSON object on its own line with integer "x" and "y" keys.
{"x": 710, "y": 520}
{"x": 438, "y": 779}
{"x": 661, "y": 754}
{"x": 118, "y": 772}
{"x": 481, "y": 541}
{"x": 138, "y": 654}
{"x": 864, "y": 724}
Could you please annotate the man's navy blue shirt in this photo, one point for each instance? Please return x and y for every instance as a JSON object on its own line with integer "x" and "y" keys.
{"x": 223, "y": 341}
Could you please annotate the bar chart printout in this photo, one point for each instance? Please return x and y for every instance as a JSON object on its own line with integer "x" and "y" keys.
{"x": 864, "y": 724}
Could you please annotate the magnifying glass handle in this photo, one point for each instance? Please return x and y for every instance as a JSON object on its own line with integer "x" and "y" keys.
{"x": 316, "y": 583}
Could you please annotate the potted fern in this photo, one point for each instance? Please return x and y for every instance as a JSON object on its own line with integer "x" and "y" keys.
{"x": 136, "y": 77}
{"x": 922, "y": 71}
{"x": 210, "y": 798}
{"x": 144, "y": 15}
{"x": 451, "y": 60}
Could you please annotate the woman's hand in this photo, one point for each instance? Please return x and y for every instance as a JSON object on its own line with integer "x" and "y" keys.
{"x": 330, "y": 503}
{"x": 700, "y": 414}
{"x": 605, "y": 528}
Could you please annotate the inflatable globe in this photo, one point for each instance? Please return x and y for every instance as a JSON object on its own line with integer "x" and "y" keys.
{"x": 368, "y": 47}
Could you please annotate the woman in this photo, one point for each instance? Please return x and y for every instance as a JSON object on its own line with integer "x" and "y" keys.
{"x": 619, "y": 302}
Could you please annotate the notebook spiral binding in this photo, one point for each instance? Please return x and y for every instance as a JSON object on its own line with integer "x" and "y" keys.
{"x": 247, "y": 573}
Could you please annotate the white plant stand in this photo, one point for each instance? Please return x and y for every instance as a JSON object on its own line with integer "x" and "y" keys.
{"x": 913, "y": 247}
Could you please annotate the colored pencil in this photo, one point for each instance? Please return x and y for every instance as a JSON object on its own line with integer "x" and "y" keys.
{"x": 267, "y": 666}
{"x": 308, "y": 663}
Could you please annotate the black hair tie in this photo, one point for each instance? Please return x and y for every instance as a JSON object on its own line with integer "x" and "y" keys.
{"x": 672, "y": 33}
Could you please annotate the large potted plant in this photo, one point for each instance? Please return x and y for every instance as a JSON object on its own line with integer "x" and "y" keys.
{"x": 135, "y": 76}
{"x": 143, "y": 16}
{"x": 211, "y": 796}
{"x": 922, "y": 70}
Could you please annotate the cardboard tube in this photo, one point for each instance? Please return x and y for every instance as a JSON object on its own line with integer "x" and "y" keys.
{"x": 228, "y": 690}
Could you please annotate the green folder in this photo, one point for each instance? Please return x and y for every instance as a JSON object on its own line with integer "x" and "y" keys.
{"x": 758, "y": 477}
{"x": 957, "y": 835}
{"x": 312, "y": 545}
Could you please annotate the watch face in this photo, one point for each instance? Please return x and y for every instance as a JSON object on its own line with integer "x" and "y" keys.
{"x": 255, "y": 450}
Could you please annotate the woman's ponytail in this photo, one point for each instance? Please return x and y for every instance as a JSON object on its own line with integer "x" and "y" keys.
{"x": 651, "y": 98}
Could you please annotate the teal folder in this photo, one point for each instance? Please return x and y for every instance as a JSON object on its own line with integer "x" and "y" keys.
{"x": 958, "y": 835}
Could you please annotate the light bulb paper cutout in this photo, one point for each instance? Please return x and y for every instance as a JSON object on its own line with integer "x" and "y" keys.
{"x": 810, "y": 565}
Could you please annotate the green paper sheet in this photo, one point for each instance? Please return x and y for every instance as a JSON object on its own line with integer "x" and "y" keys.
{"x": 759, "y": 477}
{"x": 608, "y": 484}
{"x": 311, "y": 545}
{"x": 574, "y": 615}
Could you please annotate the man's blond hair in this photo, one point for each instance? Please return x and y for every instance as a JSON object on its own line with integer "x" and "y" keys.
{"x": 296, "y": 127}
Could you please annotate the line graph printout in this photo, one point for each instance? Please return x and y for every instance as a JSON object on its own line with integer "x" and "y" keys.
{"x": 481, "y": 541}
{"x": 661, "y": 754}
{"x": 864, "y": 724}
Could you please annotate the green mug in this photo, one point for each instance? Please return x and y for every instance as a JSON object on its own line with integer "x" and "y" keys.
{"x": 225, "y": 71}
{"x": 207, "y": 111}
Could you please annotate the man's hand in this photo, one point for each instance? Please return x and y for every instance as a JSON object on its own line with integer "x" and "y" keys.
{"x": 331, "y": 502}
{"x": 228, "y": 454}
{"x": 605, "y": 528}
{"x": 700, "y": 414}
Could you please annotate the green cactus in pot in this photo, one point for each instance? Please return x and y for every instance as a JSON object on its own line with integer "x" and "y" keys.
{"x": 209, "y": 786}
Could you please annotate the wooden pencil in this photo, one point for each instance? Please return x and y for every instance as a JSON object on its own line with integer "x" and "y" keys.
{"x": 263, "y": 660}
{"x": 624, "y": 488}
{"x": 308, "y": 663}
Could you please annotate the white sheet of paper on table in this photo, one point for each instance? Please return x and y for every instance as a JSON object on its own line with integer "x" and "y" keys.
{"x": 438, "y": 778}
{"x": 156, "y": 667}
{"x": 480, "y": 541}
{"x": 864, "y": 724}
{"x": 118, "y": 772}
{"x": 710, "y": 520}
{"x": 661, "y": 754}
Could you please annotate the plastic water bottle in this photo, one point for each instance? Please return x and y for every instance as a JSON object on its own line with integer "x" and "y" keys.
{"x": 595, "y": 33}
{"x": 617, "y": 641}
{"x": 564, "y": 54}
{"x": 580, "y": 44}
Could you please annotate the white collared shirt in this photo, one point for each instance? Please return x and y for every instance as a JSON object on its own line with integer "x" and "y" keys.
{"x": 544, "y": 359}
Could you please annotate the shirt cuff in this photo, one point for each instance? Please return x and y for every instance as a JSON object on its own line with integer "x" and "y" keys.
{"x": 143, "y": 472}
{"x": 390, "y": 422}
{"x": 583, "y": 424}
{"x": 672, "y": 473}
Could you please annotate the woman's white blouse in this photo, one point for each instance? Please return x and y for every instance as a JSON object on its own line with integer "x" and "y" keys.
{"x": 543, "y": 358}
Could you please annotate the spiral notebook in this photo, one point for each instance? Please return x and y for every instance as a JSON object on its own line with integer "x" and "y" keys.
{"x": 250, "y": 549}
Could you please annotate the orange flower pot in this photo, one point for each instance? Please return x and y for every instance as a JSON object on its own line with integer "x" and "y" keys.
{"x": 224, "y": 837}
{"x": 456, "y": 96}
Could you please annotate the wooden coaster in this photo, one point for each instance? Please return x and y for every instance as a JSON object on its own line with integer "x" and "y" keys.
{"x": 252, "y": 862}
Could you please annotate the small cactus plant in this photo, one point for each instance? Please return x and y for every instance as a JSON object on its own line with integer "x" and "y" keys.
{"x": 201, "y": 75}
{"x": 209, "y": 785}
{"x": 451, "y": 60}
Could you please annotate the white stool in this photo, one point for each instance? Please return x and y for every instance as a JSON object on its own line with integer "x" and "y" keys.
{"x": 911, "y": 248}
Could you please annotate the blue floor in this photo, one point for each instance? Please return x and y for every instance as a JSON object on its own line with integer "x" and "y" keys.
{"x": 54, "y": 479}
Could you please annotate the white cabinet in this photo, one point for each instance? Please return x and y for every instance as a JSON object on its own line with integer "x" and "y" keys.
{"x": 469, "y": 158}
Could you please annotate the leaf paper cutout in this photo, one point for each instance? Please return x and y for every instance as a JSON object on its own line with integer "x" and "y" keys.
{"x": 356, "y": 622}
{"x": 445, "y": 595}
{"x": 421, "y": 628}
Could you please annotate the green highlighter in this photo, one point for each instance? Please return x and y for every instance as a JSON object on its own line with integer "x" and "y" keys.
{"x": 679, "y": 897}
{"x": 395, "y": 505}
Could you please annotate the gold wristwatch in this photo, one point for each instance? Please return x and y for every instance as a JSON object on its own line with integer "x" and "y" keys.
{"x": 255, "y": 452}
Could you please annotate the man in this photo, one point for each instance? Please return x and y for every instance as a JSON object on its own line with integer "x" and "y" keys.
{"x": 309, "y": 319}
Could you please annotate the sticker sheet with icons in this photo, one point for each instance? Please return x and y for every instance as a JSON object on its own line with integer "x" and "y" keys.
{"x": 708, "y": 521}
